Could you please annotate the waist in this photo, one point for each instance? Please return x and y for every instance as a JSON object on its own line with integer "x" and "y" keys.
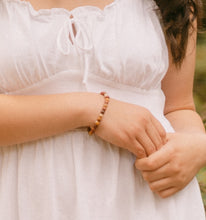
{"x": 63, "y": 82}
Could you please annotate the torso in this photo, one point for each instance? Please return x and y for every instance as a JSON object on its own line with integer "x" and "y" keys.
{"x": 121, "y": 50}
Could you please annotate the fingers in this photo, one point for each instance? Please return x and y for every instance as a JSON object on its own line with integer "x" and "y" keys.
{"x": 138, "y": 150}
{"x": 161, "y": 185}
{"x": 162, "y": 182}
{"x": 155, "y": 137}
{"x": 160, "y": 129}
{"x": 164, "y": 187}
{"x": 147, "y": 144}
{"x": 154, "y": 161}
{"x": 168, "y": 192}
{"x": 162, "y": 172}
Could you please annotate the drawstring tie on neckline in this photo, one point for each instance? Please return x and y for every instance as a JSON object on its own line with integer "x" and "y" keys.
{"x": 74, "y": 33}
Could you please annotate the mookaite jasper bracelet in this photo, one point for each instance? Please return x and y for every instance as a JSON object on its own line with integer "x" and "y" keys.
{"x": 91, "y": 130}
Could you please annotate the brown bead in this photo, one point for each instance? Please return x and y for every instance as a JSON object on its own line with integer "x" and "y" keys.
{"x": 97, "y": 123}
{"x": 99, "y": 118}
{"x": 91, "y": 130}
{"x": 95, "y": 127}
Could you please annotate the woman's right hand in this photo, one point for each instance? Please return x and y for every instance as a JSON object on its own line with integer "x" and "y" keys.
{"x": 29, "y": 118}
{"x": 131, "y": 127}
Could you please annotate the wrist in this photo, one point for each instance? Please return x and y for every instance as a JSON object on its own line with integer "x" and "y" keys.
{"x": 92, "y": 129}
{"x": 91, "y": 104}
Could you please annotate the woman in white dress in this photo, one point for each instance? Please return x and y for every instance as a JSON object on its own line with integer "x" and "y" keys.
{"x": 55, "y": 59}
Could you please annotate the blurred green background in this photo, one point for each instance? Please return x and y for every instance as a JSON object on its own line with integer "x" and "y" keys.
{"x": 200, "y": 98}
{"x": 200, "y": 91}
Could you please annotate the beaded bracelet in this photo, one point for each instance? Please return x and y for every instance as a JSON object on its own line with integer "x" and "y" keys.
{"x": 91, "y": 130}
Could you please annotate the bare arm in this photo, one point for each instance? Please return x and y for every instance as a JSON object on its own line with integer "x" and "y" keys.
{"x": 173, "y": 167}
{"x": 180, "y": 108}
{"x": 27, "y": 118}
{"x": 178, "y": 88}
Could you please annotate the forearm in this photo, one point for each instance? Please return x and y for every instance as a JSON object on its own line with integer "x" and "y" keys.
{"x": 187, "y": 121}
{"x": 27, "y": 118}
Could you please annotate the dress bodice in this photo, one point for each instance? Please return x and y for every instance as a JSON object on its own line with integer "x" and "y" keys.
{"x": 111, "y": 44}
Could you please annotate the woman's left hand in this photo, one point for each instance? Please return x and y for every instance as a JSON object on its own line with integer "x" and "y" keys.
{"x": 172, "y": 167}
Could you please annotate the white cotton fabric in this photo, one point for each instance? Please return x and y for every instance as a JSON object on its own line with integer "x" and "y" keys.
{"x": 73, "y": 176}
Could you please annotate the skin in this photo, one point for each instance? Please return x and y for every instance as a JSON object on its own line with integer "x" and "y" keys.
{"x": 173, "y": 167}
{"x": 170, "y": 169}
{"x": 28, "y": 118}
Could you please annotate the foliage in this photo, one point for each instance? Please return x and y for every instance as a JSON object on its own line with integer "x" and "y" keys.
{"x": 200, "y": 99}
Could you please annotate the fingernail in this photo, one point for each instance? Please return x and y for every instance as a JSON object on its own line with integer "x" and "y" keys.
{"x": 165, "y": 141}
{"x": 135, "y": 164}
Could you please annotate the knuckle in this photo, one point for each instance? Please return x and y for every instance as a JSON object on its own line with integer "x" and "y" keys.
{"x": 124, "y": 139}
{"x": 159, "y": 145}
{"x": 132, "y": 129}
{"x": 151, "y": 149}
{"x": 151, "y": 164}
{"x": 140, "y": 152}
{"x": 162, "y": 133}
{"x": 181, "y": 179}
{"x": 176, "y": 169}
{"x": 144, "y": 120}
{"x": 135, "y": 130}
{"x": 138, "y": 130}
{"x": 147, "y": 112}
{"x": 145, "y": 117}
{"x": 128, "y": 133}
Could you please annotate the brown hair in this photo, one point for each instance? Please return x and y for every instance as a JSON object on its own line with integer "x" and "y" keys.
{"x": 177, "y": 18}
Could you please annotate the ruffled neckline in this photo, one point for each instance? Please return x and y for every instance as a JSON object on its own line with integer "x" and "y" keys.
{"x": 52, "y": 11}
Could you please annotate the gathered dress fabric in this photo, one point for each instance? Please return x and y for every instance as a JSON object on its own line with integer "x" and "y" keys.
{"x": 73, "y": 176}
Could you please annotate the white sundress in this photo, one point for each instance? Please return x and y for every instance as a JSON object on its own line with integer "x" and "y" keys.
{"x": 120, "y": 49}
